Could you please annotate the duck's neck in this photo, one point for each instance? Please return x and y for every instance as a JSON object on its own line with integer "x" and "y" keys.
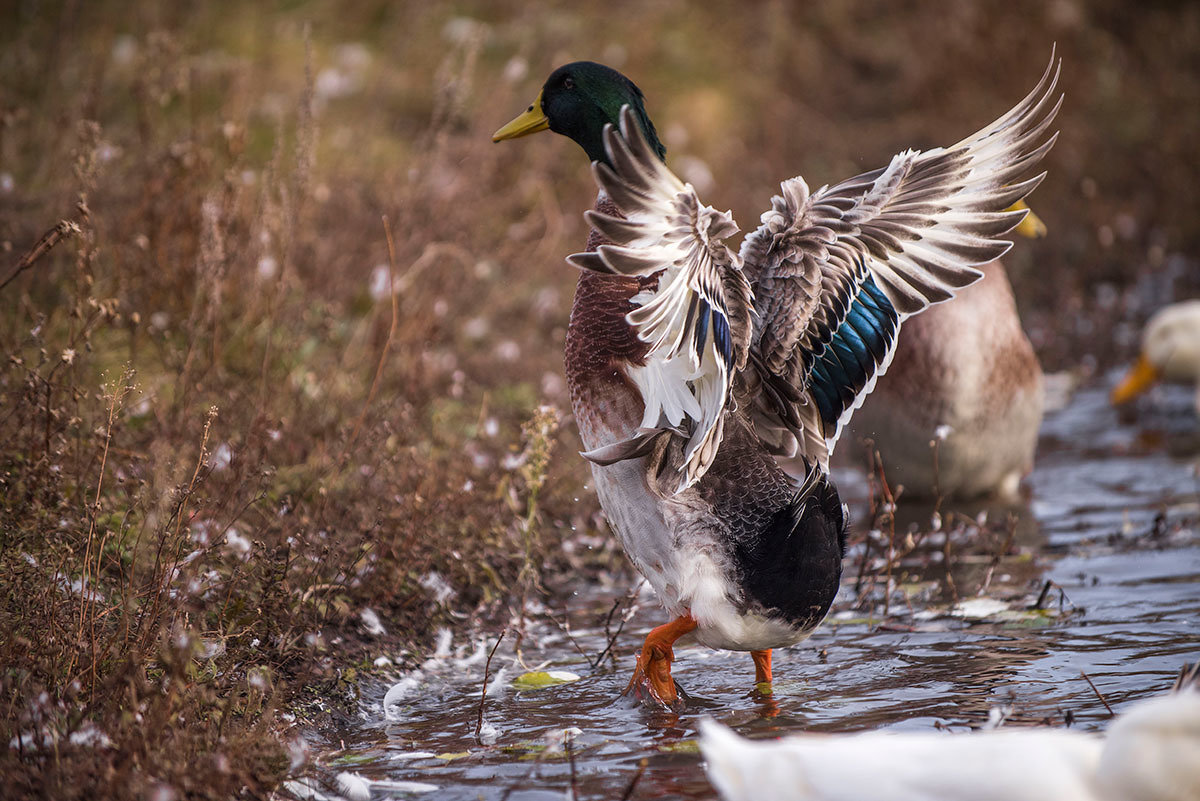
{"x": 591, "y": 138}
{"x": 603, "y": 205}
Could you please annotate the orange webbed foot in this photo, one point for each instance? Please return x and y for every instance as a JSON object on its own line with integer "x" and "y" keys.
{"x": 652, "y": 679}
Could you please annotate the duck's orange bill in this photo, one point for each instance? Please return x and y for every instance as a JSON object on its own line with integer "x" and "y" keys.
{"x": 1139, "y": 379}
{"x": 532, "y": 120}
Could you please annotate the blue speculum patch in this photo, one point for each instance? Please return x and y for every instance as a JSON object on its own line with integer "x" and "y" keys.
{"x": 854, "y": 352}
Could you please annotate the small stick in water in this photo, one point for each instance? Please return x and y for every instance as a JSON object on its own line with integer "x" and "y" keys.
{"x": 1042, "y": 595}
{"x": 566, "y": 627}
{"x": 1098, "y": 694}
{"x": 567, "y": 740}
{"x": 612, "y": 639}
{"x": 487, "y": 669}
{"x": 633, "y": 782}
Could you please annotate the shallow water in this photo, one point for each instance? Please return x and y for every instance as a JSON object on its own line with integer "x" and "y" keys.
{"x": 1116, "y": 532}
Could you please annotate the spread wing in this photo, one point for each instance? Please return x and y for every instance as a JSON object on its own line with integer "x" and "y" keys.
{"x": 696, "y": 322}
{"x": 834, "y": 273}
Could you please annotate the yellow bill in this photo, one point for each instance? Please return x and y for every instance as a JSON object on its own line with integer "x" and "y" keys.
{"x": 1139, "y": 379}
{"x": 1032, "y": 226}
{"x": 532, "y": 120}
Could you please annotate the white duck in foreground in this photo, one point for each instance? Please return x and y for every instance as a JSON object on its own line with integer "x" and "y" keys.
{"x": 1150, "y": 753}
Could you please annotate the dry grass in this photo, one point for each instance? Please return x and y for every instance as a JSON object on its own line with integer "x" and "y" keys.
{"x": 223, "y": 435}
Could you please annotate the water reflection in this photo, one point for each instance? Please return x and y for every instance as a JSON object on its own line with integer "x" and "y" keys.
{"x": 1113, "y": 525}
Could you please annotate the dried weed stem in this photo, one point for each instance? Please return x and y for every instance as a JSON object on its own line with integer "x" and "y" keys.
{"x": 487, "y": 670}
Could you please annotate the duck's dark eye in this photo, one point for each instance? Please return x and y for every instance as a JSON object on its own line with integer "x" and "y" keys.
{"x": 568, "y": 83}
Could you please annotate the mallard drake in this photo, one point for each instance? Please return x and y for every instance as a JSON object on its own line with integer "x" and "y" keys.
{"x": 710, "y": 387}
{"x": 966, "y": 376}
{"x": 1148, "y": 754}
{"x": 1170, "y": 352}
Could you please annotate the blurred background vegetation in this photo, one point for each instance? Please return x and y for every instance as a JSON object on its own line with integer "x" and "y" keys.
{"x": 223, "y": 436}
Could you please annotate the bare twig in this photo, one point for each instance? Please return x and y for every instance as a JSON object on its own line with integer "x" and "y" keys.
{"x": 534, "y": 764}
{"x": 872, "y": 514}
{"x": 565, "y": 625}
{"x": 487, "y": 669}
{"x": 890, "y": 511}
{"x": 999, "y": 554}
{"x": 624, "y": 619}
{"x": 951, "y": 590}
{"x": 607, "y": 634}
{"x": 1099, "y": 694}
{"x": 567, "y": 741}
{"x": 947, "y": 558}
{"x": 161, "y": 571}
{"x": 1189, "y": 676}
{"x": 862, "y": 566}
{"x": 937, "y": 476}
{"x": 87, "y": 606}
{"x": 1041, "y": 599}
{"x": 637, "y": 776}
{"x": 64, "y": 229}
{"x": 391, "y": 246}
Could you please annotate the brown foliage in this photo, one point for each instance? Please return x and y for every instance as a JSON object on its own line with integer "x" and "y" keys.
{"x": 223, "y": 435}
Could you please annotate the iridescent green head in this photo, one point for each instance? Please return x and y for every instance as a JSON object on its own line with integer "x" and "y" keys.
{"x": 577, "y": 100}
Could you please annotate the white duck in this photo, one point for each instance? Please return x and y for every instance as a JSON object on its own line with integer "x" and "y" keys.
{"x": 1170, "y": 352}
{"x": 1150, "y": 753}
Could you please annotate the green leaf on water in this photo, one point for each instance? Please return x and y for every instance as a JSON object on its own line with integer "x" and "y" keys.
{"x": 1026, "y": 618}
{"x": 541, "y": 679}
{"x": 346, "y": 760}
{"x": 450, "y": 756}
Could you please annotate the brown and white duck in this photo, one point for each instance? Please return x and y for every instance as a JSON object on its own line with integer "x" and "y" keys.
{"x": 965, "y": 377}
{"x": 710, "y": 386}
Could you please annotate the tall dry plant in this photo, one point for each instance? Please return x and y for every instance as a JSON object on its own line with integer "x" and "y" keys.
{"x": 220, "y": 444}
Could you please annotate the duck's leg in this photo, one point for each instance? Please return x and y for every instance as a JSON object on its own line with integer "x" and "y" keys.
{"x": 652, "y": 675}
{"x": 762, "y": 666}
{"x": 762, "y": 683}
